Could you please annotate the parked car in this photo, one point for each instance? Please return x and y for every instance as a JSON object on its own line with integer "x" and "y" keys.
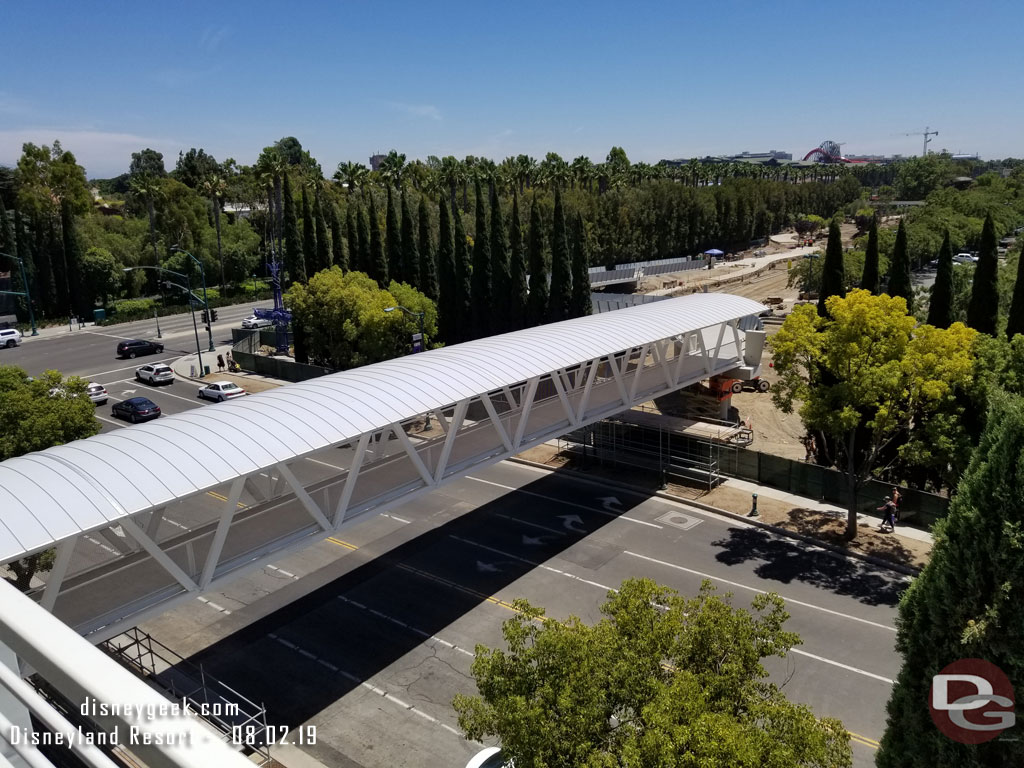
{"x": 257, "y": 322}
{"x": 220, "y": 391}
{"x": 155, "y": 373}
{"x": 136, "y": 409}
{"x": 132, "y": 348}
{"x": 10, "y": 337}
{"x": 489, "y": 757}
{"x": 97, "y": 393}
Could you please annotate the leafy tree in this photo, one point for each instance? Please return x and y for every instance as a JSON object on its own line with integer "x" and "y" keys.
{"x": 396, "y": 269}
{"x": 965, "y": 604}
{"x": 7, "y": 244}
{"x": 537, "y": 301}
{"x": 517, "y": 268}
{"x": 940, "y": 307}
{"x": 561, "y": 269}
{"x": 323, "y": 243}
{"x": 339, "y": 251}
{"x": 343, "y": 316}
{"x": 428, "y": 258}
{"x": 45, "y": 292}
{"x": 1015, "y": 321}
{"x": 481, "y": 295}
{"x": 378, "y": 262}
{"x": 55, "y": 246}
{"x": 148, "y": 162}
{"x": 410, "y": 298}
{"x": 294, "y": 261}
{"x": 463, "y": 282}
{"x": 580, "y": 303}
{"x": 862, "y": 375}
{"x": 410, "y": 251}
{"x": 100, "y": 276}
{"x": 899, "y": 269}
{"x": 308, "y": 234}
{"x": 194, "y": 167}
{"x": 501, "y": 276}
{"x": 870, "y": 280}
{"x": 983, "y": 310}
{"x": 80, "y": 303}
{"x": 450, "y": 298}
{"x": 832, "y": 277}
{"x": 31, "y": 419}
{"x": 643, "y": 687}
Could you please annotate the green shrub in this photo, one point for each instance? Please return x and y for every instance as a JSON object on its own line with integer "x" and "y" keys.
{"x": 123, "y": 307}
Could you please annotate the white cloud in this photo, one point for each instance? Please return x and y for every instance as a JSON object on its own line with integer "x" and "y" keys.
{"x": 102, "y": 153}
{"x": 417, "y": 110}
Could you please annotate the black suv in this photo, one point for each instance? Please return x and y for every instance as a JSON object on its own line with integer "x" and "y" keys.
{"x": 134, "y": 347}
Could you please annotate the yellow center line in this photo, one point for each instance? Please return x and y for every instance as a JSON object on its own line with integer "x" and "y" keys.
{"x": 223, "y": 498}
{"x": 863, "y": 740}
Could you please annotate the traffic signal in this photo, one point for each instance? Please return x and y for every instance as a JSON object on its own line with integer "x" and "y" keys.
{"x": 213, "y": 314}
{"x": 206, "y": 317}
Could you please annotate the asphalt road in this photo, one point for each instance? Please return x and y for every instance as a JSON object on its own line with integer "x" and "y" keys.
{"x": 368, "y": 637}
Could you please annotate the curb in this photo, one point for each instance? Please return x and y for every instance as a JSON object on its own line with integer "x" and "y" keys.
{"x": 907, "y": 570}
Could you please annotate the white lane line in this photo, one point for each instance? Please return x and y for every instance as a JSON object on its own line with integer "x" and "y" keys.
{"x": 282, "y": 571}
{"x": 147, "y": 388}
{"x": 760, "y": 591}
{"x": 365, "y": 684}
{"x": 326, "y": 464}
{"x": 566, "y": 503}
{"x": 532, "y": 525}
{"x": 94, "y": 376}
{"x": 109, "y": 421}
{"x": 396, "y": 518}
{"x": 101, "y": 545}
{"x": 215, "y": 607}
{"x": 409, "y": 627}
{"x": 839, "y": 664}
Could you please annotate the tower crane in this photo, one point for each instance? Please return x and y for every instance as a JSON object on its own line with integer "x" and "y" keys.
{"x": 926, "y": 133}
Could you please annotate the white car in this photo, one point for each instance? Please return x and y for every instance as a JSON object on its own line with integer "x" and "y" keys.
{"x": 10, "y": 337}
{"x": 490, "y": 757}
{"x": 97, "y": 393}
{"x": 155, "y": 373}
{"x": 256, "y": 322}
{"x": 220, "y": 391}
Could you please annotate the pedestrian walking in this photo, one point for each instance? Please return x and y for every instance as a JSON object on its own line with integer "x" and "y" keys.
{"x": 220, "y": 363}
{"x": 897, "y": 501}
{"x": 888, "y": 510}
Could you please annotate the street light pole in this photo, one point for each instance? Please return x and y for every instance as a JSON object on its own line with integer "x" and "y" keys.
{"x": 206, "y": 303}
{"x": 28, "y": 297}
{"x": 192, "y": 309}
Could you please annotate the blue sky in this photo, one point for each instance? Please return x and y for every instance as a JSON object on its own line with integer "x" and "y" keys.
{"x": 674, "y": 79}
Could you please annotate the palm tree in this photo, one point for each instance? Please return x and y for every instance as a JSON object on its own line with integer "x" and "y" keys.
{"x": 147, "y": 187}
{"x": 351, "y": 175}
{"x": 526, "y": 169}
{"x": 581, "y": 169}
{"x": 392, "y": 167}
{"x": 214, "y": 186}
{"x": 468, "y": 174}
{"x": 451, "y": 174}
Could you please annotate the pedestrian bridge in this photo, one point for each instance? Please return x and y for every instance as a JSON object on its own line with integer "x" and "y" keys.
{"x": 147, "y": 516}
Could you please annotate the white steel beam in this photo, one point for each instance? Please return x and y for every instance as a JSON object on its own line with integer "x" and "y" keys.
{"x": 524, "y": 415}
{"x": 350, "y": 480}
{"x": 570, "y": 414}
{"x": 449, "y": 440}
{"x": 303, "y": 496}
{"x": 439, "y": 415}
{"x": 57, "y": 573}
{"x": 660, "y": 352}
{"x": 159, "y": 555}
{"x": 704, "y": 352}
{"x": 221, "y": 534}
{"x": 587, "y": 389}
{"x": 498, "y": 426}
{"x": 635, "y": 384}
{"x": 413, "y": 454}
{"x": 721, "y": 338}
{"x": 617, "y": 373}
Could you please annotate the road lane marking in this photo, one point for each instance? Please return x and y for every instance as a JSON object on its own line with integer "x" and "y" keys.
{"x": 533, "y": 563}
{"x": 326, "y": 464}
{"x": 839, "y": 664}
{"x": 109, "y": 421}
{"x": 213, "y": 605}
{"x": 341, "y": 543}
{"x": 416, "y": 630}
{"x": 221, "y": 497}
{"x": 396, "y": 518}
{"x": 152, "y": 388}
{"x": 565, "y": 503}
{"x": 864, "y": 740}
{"x": 760, "y": 591}
{"x": 93, "y": 376}
{"x": 282, "y": 571}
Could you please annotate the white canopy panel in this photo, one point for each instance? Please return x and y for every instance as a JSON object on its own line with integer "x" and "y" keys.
{"x": 51, "y": 495}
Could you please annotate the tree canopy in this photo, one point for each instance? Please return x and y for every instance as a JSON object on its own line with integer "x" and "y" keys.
{"x": 661, "y": 680}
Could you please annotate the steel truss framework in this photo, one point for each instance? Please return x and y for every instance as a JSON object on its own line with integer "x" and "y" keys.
{"x": 155, "y": 560}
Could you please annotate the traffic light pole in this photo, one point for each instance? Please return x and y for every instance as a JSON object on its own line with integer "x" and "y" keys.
{"x": 206, "y": 303}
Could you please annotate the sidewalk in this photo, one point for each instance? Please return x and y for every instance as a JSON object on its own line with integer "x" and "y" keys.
{"x": 188, "y": 367}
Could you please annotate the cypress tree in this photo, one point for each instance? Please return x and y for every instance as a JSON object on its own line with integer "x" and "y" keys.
{"x": 940, "y": 307}
{"x": 449, "y": 298}
{"x": 899, "y": 270}
{"x": 339, "y": 248}
{"x": 308, "y": 236}
{"x": 55, "y": 246}
{"x": 463, "y": 286}
{"x": 410, "y": 251}
{"x": 23, "y": 249}
{"x": 73, "y": 260}
{"x": 396, "y": 269}
{"x": 537, "y": 302}
{"x": 352, "y": 238}
{"x": 294, "y": 262}
{"x": 46, "y": 293}
{"x": 832, "y": 276}
{"x": 518, "y": 296}
{"x": 378, "y": 263}
{"x": 580, "y": 305}
{"x": 363, "y": 229}
{"x": 323, "y": 244}
{"x": 983, "y": 308}
{"x": 6, "y": 234}
{"x": 870, "y": 279}
{"x": 428, "y": 260}
{"x": 561, "y": 268}
{"x": 481, "y": 298}
{"x": 501, "y": 277}
{"x": 965, "y": 603}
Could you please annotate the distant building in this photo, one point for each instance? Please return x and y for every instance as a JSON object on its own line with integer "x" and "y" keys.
{"x": 375, "y": 161}
{"x": 883, "y": 159}
{"x": 772, "y": 156}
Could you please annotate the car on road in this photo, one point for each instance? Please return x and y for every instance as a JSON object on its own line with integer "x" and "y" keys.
{"x": 97, "y": 393}
{"x": 489, "y": 757}
{"x": 132, "y": 348}
{"x": 219, "y": 391}
{"x": 155, "y": 373}
{"x": 10, "y": 337}
{"x": 136, "y": 409}
{"x": 257, "y": 322}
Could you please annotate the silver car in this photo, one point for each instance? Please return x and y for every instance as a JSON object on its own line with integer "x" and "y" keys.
{"x": 219, "y": 391}
{"x": 155, "y": 373}
{"x": 97, "y": 393}
{"x": 256, "y": 322}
